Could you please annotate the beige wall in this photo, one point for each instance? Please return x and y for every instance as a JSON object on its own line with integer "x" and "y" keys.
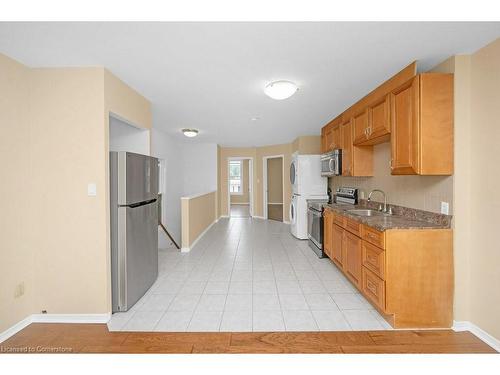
{"x": 307, "y": 145}
{"x": 58, "y": 237}
{"x": 16, "y": 246}
{"x": 422, "y": 192}
{"x": 245, "y": 197}
{"x": 484, "y": 256}
{"x": 198, "y": 213}
{"x": 275, "y": 180}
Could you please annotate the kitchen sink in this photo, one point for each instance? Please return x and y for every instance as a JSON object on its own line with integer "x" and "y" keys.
{"x": 366, "y": 212}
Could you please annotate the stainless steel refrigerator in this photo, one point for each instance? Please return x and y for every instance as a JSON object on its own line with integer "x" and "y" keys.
{"x": 134, "y": 226}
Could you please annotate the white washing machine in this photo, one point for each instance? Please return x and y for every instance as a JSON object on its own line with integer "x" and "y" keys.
{"x": 305, "y": 175}
{"x": 298, "y": 215}
{"x": 307, "y": 183}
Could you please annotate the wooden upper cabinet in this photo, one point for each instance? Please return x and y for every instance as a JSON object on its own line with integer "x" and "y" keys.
{"x": 327, "y": 232}
{"x": 422, "y": 125}
{"x": 405, "y": 136}
{"x": 353, "y": 257}
{"x": 331, "y": 135}
{"x": 336, "y": 138}
{"x": 346, "y": 134}
{"x": 360, "y": 124}
{"x": 379, "y": 119}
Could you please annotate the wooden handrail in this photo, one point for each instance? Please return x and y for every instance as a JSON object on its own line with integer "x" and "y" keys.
{"x": 168, "y": 234}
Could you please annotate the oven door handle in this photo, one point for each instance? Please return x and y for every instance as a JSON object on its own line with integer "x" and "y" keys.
{"x": 330, "y": 162}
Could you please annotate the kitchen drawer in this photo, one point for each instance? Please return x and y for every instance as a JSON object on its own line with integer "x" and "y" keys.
{"x": 373, "y": 236}
{"x": 373, "y": 258}
{"x": 353, "y": 226}
{"x": 373, "y": 288}
{"x": 339, "y": 219}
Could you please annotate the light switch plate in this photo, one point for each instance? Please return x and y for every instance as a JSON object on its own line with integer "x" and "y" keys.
{"x": 445, "y": 208}
{"x": 91, "y": 189}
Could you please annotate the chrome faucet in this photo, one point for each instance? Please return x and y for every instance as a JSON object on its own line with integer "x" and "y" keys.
{"x": 385, "y": 199}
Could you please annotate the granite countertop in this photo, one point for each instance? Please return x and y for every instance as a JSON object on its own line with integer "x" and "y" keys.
{"x": 403, "y": 217}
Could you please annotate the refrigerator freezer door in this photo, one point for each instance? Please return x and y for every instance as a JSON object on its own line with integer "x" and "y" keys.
{"x": 138, "y": 252}
{"x": 138, "y": 178}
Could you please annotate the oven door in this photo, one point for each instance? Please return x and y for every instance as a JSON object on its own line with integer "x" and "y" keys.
{"x": 315, "y": 227}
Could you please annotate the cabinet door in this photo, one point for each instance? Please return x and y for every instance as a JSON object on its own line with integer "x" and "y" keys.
{"x": 352, "y": 262}
{"x": 337, "y": 138}
{"x": 337, "y": 249}
{"x": 324, "y": 147}
{"x": 329, "y": 138}
{"x": 347, "y": 148}
{"x": 327, "y": 232}
{"x": 379, "y": 119}
{"x": 404, "y": 128}
{"x": 360, "y": 124}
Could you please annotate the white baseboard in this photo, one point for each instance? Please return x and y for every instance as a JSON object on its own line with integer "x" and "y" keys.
{"x": 188, "y": 249}
{"x": 259, "y": 217}
{"x": 484, "y": 336}
{"x": 54, "y": 318}
{"x": 286, "y": 222}
{"x": 241, "y": 203}
{"x": 9, "y": 332}
{"x": 70, "y": 318}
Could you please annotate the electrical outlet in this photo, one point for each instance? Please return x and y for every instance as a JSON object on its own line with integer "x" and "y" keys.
{"x": 19, "y": 290}
{"x": 445, "y": 208}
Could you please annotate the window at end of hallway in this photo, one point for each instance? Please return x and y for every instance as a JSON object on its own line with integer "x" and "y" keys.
{"x": 235, "y": 177}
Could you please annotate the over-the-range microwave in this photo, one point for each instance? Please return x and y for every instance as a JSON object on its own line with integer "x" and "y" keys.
{"x": 331, "y": 163}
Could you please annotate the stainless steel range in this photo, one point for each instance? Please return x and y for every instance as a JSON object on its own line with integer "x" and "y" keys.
{"x": 315, "y": 209}
{"x": 315, "y": 226}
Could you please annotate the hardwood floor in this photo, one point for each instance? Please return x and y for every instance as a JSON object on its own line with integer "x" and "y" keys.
{"x": 95, "y": 338}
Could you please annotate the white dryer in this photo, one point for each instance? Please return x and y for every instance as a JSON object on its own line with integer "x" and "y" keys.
{"x": 298, "y": 215}
{"x": 305, "y": 175}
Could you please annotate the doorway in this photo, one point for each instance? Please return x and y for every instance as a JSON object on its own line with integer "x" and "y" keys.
{"x": 273, "y": 188}
{"x": 240, "y": 183}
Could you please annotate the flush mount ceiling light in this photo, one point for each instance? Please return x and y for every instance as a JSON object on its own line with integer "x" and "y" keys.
{"x": 190, "y": 132}
{"x": 280, "y": 90}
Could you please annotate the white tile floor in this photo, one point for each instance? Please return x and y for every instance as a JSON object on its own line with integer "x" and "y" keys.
{"x": 248, "y": 275}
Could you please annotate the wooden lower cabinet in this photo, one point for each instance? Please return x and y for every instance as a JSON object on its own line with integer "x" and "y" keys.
{"x": 373, "y": 287}
{"x": 352, "y": 252}
{"x": 406, "y": 274}
{"x": 337, "y": 245}
{"x": 327, "y": 232}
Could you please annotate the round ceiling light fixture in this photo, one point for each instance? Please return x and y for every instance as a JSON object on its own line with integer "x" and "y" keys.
{"x": 280, "y": 90}
{"x": 190, "y": 133}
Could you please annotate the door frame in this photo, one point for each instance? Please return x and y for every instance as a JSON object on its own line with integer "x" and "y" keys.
{"x": 250, "y": 183}
{"x": 264, "y": 183}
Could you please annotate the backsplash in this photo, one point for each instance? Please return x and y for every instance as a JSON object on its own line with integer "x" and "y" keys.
{"x": 420, "y": 192}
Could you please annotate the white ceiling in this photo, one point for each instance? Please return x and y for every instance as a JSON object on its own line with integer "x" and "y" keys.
{"x": 211, "y": 76}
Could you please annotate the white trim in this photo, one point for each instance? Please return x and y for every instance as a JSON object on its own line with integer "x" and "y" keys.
{"x": 459, "y": 326}
{"x": 188, "y": 249}
{"x": 259, "y": 217}
{"x": 53, "y": 318}
{"x": 250, "y": 182}
{"x": 242, "y": 203}
{"x": 71, "y": 318}
{"x": 198, "y": 195}
{"x": 286, "y": 222}
{"x": 264, "y": 182}
{"x": 11, "y": 331}
{"x": 278, "y": 203}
